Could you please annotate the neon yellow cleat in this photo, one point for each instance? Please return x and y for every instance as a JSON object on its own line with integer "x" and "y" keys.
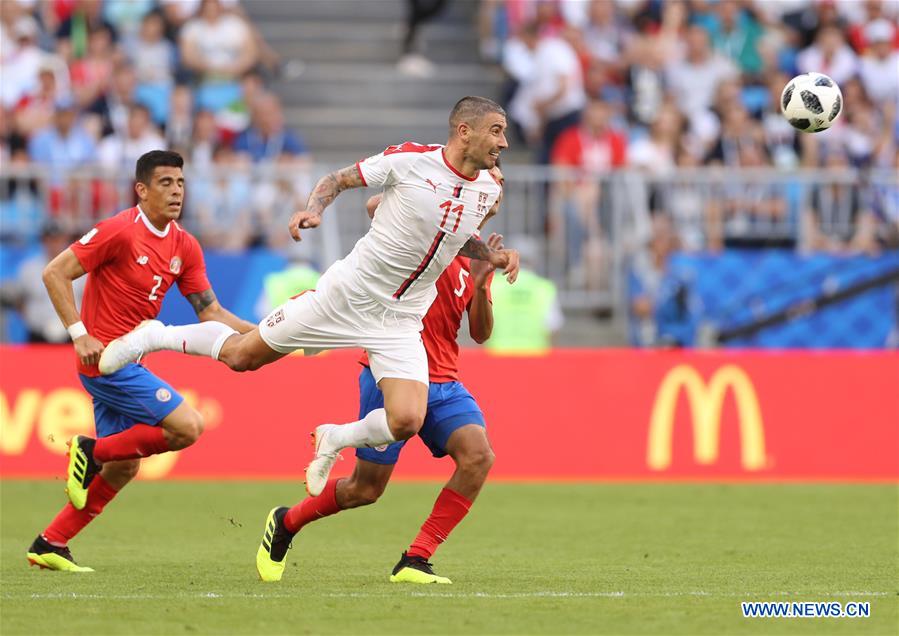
{"x": 416, "y": 570}
{"x": 81, "y": 471}
{"x": 50, "y": 557}
{"x": 272, "y": 553}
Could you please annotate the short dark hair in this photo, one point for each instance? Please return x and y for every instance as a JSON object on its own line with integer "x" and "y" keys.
{"x": 470, "y": 109}
{"x": 148, "y": 162}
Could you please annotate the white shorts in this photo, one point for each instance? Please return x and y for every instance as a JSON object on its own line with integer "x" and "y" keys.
{"x": 339, "y": 315}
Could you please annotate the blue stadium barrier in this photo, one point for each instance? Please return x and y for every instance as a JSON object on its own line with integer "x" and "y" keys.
{"x": 738, "y": 287}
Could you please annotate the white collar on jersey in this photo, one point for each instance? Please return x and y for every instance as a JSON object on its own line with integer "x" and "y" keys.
{"x": 150, "y": 226}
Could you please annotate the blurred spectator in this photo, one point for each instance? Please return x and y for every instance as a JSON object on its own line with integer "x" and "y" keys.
{"x": 26, "y": 293}
{"x": 91, "y": 73}
{"x": 645, "y": 79}
{"x": 839, "y": 217}
{"x": 119, "y": 152}
{"x": 656, "y": 152}
{"x": 518, "y": 60}
{"x": 218, "y": 48}
{"x": 526, "y": 314}
{"x": 694, "y": 81}
{"x": 606, "y": 33}
{"x": 747, "y": 212}
{"x": 64, "y": 145}
{"x": 879, "y": 68}
{"x": 180, "y": 121}
{"x": 555, "y": 95}
{"x": 418, "y": 12}
{"x": 20, "y": 62}
{"x": 178, "y": 12}
{"x": 658, "y": 304}
{"x": 885, "y": 200}
{"x": 37, "y": 110}
{"x": 780, "y": 137}
{"x": 153, "y": 58}
{"x": 735, "y": 32}
{"x": 268, "y": 139}
{"x": 864, "y": 12}
{"x": 594, "y": 148}
{"x": 21, "y": 209}
{"x": 126, "y": 15}
{"x": 74, "y": 32}
{"x": 204, "y": 141}
{"x": 219, "y": 203}
{"x": 829, "y": 55}
{"x": 110, "y": 110}
{"x": 738, "y": 130}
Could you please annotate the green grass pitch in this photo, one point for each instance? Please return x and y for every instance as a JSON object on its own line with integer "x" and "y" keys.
{"x": 177, "y": 558}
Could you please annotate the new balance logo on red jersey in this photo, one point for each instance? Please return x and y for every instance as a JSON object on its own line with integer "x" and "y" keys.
{"x": 142, "y": 260}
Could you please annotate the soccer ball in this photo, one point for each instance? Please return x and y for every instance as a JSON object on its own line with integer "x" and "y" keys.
{"x": 811, "y": 102}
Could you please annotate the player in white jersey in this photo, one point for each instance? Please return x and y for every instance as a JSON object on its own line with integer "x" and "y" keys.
{"x": 435, "y": 198}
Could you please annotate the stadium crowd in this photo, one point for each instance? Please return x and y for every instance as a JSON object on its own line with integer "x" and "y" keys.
{"x": 91, "y": 84}
{"x": 667, "y": 110}
{"x": 655, "y": 86}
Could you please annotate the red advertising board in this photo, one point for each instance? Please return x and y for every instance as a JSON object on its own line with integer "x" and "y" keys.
{"x": 574, "y": 414}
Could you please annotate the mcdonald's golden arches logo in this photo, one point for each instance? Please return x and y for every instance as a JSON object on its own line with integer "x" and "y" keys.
{"x": 706, "y": 401}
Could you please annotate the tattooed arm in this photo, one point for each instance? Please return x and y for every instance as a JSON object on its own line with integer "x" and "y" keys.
{"x": 324, "y": 193}
{"x": 501, "y": 259}
{"x": 208, "y": 307}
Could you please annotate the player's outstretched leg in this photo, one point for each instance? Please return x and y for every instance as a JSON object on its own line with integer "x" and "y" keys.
{"x": 50, "y": 549}
{"x": 405, "y": 405}
{"x": 470, "y": 450}
{"x": 202, "y": 339}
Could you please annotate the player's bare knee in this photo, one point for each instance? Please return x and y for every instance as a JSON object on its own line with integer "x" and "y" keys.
{"x": 236, "y": 359}
{"x": 405, "y": 423}
{"x": 477, "y": 461}
{"x": 187, "y": 431}
{"x": 367, "y": 494}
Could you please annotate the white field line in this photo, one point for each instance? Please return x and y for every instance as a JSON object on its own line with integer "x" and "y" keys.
{"x": 400, "y": 594}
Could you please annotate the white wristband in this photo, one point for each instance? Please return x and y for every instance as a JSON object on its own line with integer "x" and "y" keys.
{"x": 76, "y": 330}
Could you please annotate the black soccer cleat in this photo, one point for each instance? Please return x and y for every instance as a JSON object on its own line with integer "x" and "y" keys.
{"x": 414, "y": 569}
{"x": 82, "y": 469}
{"x": 47, "y": 556}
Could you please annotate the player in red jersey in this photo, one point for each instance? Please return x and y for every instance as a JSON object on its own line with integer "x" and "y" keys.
{"x": 454, "y": 426}
{"x": 132, "y": 259}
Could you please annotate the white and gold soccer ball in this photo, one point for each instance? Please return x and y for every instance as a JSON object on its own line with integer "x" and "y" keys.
{"x": 811, "y": 102}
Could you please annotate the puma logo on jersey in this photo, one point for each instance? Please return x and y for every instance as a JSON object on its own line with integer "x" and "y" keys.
{"x": 142, "y": 260}
{"x": 432, "y": 184}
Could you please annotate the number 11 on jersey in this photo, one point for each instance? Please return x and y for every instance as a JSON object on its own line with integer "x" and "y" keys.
{"x": 448, "y": 208}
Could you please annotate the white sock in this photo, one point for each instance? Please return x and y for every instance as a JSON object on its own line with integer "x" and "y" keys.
{"x": 372, "y": 430}
{"x": 201, "y": 339}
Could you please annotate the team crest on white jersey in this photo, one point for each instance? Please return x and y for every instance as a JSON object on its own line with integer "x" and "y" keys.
{"x": 482, "y": 198}
{"x": 175, "y": 265}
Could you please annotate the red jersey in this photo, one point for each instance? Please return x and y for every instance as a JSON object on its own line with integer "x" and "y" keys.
{"x": 441, "y": 324}
{"x": 132, "y": 265}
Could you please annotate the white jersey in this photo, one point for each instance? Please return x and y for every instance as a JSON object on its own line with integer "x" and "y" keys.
{"x": 428, "y": 211}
